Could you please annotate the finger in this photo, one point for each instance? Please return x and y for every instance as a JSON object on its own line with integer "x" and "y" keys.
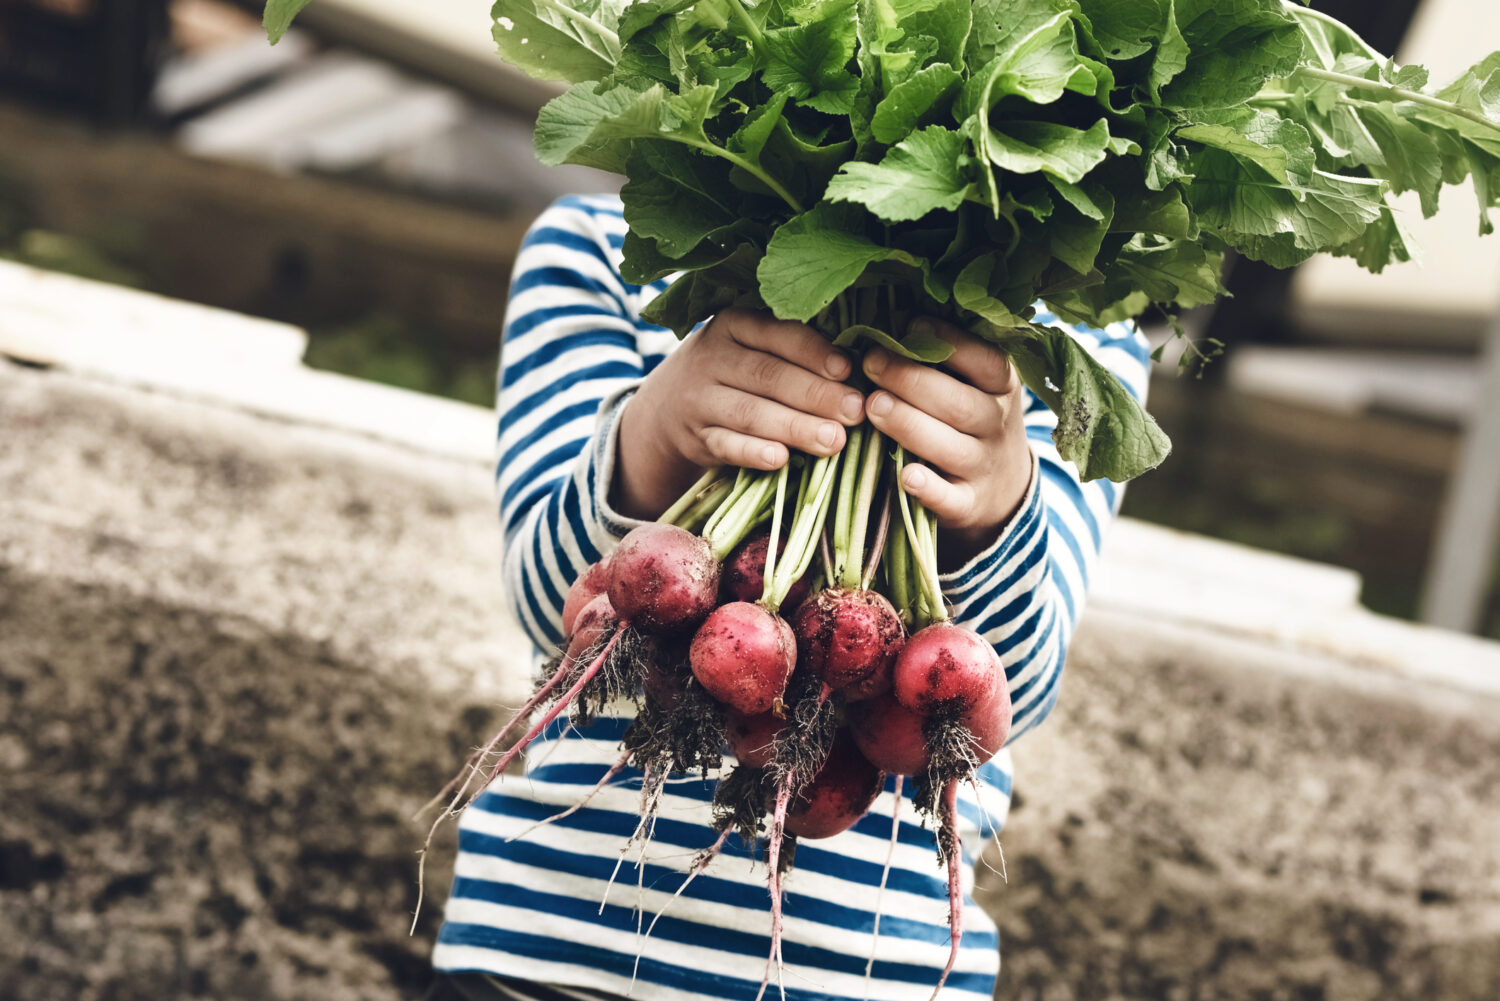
{"x": 923, "y": 434}
{"x": 763, "y": 418}
{"x": 952, "y": 502}
{"x": 773, "y": 377}
{"x": 796, "y": 342}
{"x": 935, "y": 392}
{"x": 732, "y": 448}
{"x": 974, "y": 360}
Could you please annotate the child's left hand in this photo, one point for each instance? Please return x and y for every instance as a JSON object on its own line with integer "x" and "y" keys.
{"x": 966, "y": 420}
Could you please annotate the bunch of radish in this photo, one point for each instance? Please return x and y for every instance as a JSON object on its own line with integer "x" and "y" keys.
{"x": 795, "y": 619}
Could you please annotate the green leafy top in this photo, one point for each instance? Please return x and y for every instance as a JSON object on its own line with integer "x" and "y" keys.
{"x": 854, "y": 163}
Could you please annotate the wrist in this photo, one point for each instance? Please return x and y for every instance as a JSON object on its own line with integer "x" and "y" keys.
{"x": 649, "y": 473}
{"x": 1005, "y": 495}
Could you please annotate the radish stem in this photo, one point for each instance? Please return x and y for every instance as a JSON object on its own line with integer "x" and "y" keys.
{"x": 769, "y": 576}
{"x": 877, "y": 547}
{"x": 851, "y": 558}
{"x": 694, "y": 493}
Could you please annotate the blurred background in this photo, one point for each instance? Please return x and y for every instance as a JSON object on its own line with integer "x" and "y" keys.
{"x": 204, "y": 788}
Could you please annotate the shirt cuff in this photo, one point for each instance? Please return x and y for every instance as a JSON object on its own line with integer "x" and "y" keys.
{"x": 1012, "y": 538}
{"x": 606, "y": 449}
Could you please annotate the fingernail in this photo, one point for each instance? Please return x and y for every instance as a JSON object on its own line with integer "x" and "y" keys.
{"x": 921, "y": 327}
{"x": 837, "y": 366}
{"x": 771, "y": 454}
{"x": 915, "y": 478}
{"x": 875, "y": 362}
{"x": 852, "y": 407}
{"x": 827, "y": 435}
{"x": 880, "y": 404}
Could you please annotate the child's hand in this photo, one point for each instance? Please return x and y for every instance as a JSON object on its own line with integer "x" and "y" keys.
{"x": 741, "y": 391}
{"x": 967, "y": 426}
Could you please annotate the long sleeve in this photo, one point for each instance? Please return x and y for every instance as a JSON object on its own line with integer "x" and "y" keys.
{"x": 1024, "y": 594}
{"x": 571, "y": 354}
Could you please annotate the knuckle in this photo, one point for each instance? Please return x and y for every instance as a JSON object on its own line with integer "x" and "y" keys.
{"x": 743, "y": 412}
{"x": 902, "y": 377}
{"x": 766, "y": 373}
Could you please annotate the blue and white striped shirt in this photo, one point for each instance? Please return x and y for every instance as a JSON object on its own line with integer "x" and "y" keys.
{"x": 530, "y": 908}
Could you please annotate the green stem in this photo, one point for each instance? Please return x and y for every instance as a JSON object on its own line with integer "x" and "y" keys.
{"x": 898, "y": 570}
{"x": 923, "y": 548}
{"x": 852, "y": 559}
{"x": 741, "y": 484}
{"x": 691, "y": 497}
{"x": 807, "y": 528}
{"x": 740, "y": 515}
{"x": 1317, "y": 15}
{"x": 769, "y": 576}
{"x": 697, "y": 515}
{"x": 752, "y": 169}
{"x": 1399, "y": 93}
{"x": 751, "y": 28}
{"x": 843, "y": 514}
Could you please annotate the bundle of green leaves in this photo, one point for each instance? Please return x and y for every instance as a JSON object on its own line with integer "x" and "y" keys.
{"x": 855, "y": 163}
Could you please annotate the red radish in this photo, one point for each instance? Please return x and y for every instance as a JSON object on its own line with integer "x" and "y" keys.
{"x": 751, "y": 738}
{"x": 838, "y": 795}
{"x": 989, "y": 721}
{"x": 593, "y": 582}
{"x": 889, "y": 735}
{"x": 945, "y": 668}
{"x": 743, "y": 655}
{"x": 595, "y": 624}
{"x": 847, "y": 637}
{"x": 744, "y": 574}
{"x": 663, "y": 579}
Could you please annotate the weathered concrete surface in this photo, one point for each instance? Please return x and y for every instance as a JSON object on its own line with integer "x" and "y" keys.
{"x": 1206, "y": 817}
{"x": 235, "y": 653}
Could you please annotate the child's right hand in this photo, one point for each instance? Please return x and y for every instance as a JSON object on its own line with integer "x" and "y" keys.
{"x": 740, "y": 391}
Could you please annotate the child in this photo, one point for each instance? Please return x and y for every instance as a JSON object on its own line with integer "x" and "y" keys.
{"x": 605, "y": 420}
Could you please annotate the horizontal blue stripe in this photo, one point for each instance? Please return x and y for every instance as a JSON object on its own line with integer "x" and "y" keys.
{"x": 695, "y": 836}
{"x": 693, "y": 787}
{"x": 520, "y": 325}
{"x": 548, "y": 276}
{"x": 615, "y": 371}
{"x": 536, "y": 482}
{"x": 652, "y": 971}
{"x": 513, "y": 370}
{"x": 555, "y": 422}
{"x": 1028, "y": 563}
{"x": 1071, "y": 489}
{"x": 1021, "y": 532}
{"x": 590, "y": 204}
{"x": 1034, "y": 717}
{"x": 542, "y": 617}
{"x": 1019, "y": 694}
{"x": 1008, "y": 614}
{"x": 553, "y": 595}
{"x": 707, "y": 887}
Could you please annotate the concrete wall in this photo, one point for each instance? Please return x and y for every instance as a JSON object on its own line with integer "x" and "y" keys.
{"x": 241, "y": 640}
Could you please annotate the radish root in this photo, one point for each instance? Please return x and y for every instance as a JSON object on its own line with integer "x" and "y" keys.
{"x": 701, "y": 863}
{"x": 884, "y": 875}
{"x": 949, "y": 848}
{"x": 604, "y": 780}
